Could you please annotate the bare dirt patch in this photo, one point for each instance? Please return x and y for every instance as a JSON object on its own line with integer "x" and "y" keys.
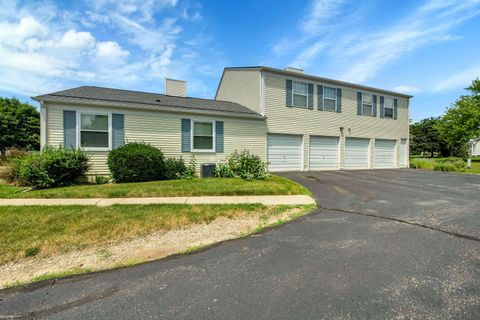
{"x": 146, "y": 248}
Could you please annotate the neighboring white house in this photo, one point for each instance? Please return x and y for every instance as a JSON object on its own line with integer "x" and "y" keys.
{"x": 293, "y": 120}
{"x": 474, "y": 145}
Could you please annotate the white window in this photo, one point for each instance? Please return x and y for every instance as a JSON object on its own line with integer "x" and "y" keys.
{"x": 329, "y": 99}
{"x": 388, "y": 108}
{"x": 203, "y": 136}
{"x": 367, "y": 104}
{"x": 94, "y": 131}
{"x": 300, "y": 94}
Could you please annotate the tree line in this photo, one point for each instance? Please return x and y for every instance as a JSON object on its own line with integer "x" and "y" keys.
{"x": 448, "y": 135}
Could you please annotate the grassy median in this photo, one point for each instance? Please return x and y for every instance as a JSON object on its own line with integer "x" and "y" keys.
{"x": 273, "y": 185}
{"x": 45, "y": 230}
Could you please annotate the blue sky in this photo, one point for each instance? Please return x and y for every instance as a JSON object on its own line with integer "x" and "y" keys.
{"x": 430, "y": 48}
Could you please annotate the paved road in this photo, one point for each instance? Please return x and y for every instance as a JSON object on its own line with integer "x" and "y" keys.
{"x": 350, "y": 261}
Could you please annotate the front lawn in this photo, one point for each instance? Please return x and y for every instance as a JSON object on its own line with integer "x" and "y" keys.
{"x": 50, "y": 230}
{"x": 273, "y": 185}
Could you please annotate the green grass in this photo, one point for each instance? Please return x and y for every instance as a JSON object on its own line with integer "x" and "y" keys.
{"x": 48, "y": 230}
{"x": 433, "y": 164}
{"x": 273, "y": 185}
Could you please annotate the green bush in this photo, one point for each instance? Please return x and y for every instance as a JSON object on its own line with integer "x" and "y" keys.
{"x": 450, "y": 165}
{"x": 102, "y": 179}
{"x": 174, "y": 168}
{"x": 223, "y": 170}
{"x": 53, "y": 167}
{"x": 244, "y": 165}
{"x": 190, "y": 169}
{"x": 136, "y": 162}
{"x": 420, "y": 163}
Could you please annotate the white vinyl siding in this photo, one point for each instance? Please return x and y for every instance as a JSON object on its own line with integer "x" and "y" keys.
{"x": 356, "y": 153}
{"x": 284, "y": 152}
{"x": 300, "y": 94}
{"x": 163, "y": 130}
{"x": 324, "y": 153}
{"x": 384, "y": 154}
{"x": 329, "y": 99}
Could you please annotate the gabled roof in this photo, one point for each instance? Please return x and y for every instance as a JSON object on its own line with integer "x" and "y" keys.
{"x": 320, "y": 79}
{"x": 136, "y": 99}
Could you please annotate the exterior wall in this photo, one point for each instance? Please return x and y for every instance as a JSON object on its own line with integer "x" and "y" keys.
{"x": 163, "y": 130}
{"x": 291, "y": 120}
{"x": 241, "y": 86}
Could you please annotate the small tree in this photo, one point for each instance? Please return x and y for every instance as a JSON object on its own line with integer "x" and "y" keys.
{"x": 19, "y": 125}
{"x": 461, "y": 121}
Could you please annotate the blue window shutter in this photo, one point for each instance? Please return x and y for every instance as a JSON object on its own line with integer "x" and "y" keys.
{"x": 382, "y": 107}
{"x": 219, "y": 136}
{"x": 339, "y": 100}
{"x": 310, "y": 96}
{"x": 395, "y": 104}
{"x": 374, "y": 105}
{"x": 289, "y": 93}
{"x": 69, "y": 129}
{"x": 118, "y": 130}
{"x": 359, "y": 103}
{"x": 320, "y": 97}
{"x": 186, "y": 128}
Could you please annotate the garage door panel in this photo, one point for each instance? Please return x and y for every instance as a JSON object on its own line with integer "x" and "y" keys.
{"x": 324, "y": 153}
{"x": 356, "y": 153}
{"x": 385, "y": 153}
{"x": 284, "y": 152}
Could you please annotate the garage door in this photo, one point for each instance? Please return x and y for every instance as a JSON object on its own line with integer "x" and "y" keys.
{"x": 323, "y": 153}
{"x": 356, "y": 153}
{"x": 284, "y": 152}
{"x": 384, "y": 153}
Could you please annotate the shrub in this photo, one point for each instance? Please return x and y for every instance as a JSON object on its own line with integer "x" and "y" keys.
{"x": 449, "y": 164}
{"x": 419, "y": 163}
{"x": 174, "y": 168}
{"x": 190, "y": 169}
{"x": 244, "y": 165}
{"x": 52, "y": 167}
{"x": 223, "y": 170}
{"x": 136, "y": 162}
{"x": 102, "y": 179}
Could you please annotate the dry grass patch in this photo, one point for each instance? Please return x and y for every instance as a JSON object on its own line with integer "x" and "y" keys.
{"x": 48, "y": 230}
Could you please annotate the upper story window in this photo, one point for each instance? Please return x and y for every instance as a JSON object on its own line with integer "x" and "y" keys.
{"x": 203, "y": 136}
{"x": 388, "y": 109}
{"x": 94, "y": 131}
{"x": 329, "y": 99}
{"x": 300, "y": 94}
{"x": 367, "y": 104}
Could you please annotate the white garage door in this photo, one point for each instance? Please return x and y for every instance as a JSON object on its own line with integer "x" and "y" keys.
{"x": 384, "y": 153}
{"x": 356, "y": 153}
{"x": 323, "y": 153}
{"x": 284, "y": 152}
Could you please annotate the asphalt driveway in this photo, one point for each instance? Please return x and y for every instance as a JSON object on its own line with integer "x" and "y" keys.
{"x": 393, "y": 244}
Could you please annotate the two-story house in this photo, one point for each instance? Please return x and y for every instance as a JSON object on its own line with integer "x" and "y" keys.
{"x": 315, "y": 123}
{"x": 293, "y": 120}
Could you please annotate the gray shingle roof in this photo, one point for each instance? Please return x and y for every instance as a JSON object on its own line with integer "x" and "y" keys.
{"x": 127, "y": 98}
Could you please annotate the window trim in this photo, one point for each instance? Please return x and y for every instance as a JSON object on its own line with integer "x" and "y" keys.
{"x": 192, "y": 134}
{"x": 336, "y": 99}
{"x": 371, "y": 103}
{"x": 79, "y": 130}
{"x": 293, "y": 94}
{"x": 385, "y": 107}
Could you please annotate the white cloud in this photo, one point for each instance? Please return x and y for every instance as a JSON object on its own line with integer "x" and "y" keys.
{"x": 461, "y": 79}
{"x": 110, "y": 49}
{"x": 407, "y": 89}
{"x": 320, "y": 13}
{"x": 75, "y": 40}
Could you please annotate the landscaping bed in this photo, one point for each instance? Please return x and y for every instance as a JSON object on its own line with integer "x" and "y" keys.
{"x": 40, "y": 242}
